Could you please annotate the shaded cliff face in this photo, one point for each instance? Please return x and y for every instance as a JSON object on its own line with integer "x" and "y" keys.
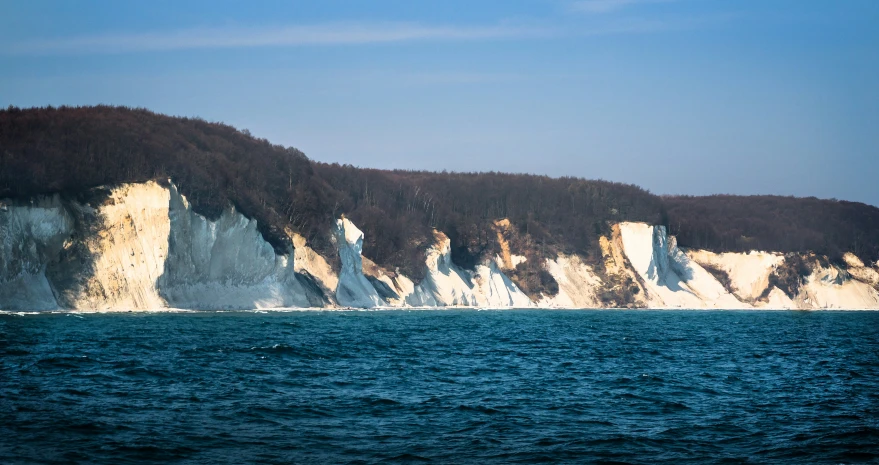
{"x": 32, "y": 234}
{"x": 224, "y": 263}
{"x": 142, "y": 247}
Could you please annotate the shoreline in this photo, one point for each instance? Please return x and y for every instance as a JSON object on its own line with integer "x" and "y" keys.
{"x": 419, "y": 309}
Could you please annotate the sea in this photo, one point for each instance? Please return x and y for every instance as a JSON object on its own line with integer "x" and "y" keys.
{"x": 444, "y": 386}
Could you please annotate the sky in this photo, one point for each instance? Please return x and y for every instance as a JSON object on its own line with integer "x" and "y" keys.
{"x": 677, "y": 96}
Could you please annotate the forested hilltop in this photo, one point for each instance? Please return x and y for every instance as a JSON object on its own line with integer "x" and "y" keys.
{"x": 69, "y": 150}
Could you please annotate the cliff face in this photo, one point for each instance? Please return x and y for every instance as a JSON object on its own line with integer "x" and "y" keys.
{"x": 353, "y": 289}
{"x": 141, "y": 247}
{"x": 32, "y": 235}
{"x": 138, "y": 248}
{"x": 224, "y": 263}
{"x": 672, "y": 279}
{"x": 447, "y": 284}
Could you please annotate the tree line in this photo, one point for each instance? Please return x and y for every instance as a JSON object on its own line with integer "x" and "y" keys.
{"x": 775, "y": 223}
{"x": 70, "y": 149}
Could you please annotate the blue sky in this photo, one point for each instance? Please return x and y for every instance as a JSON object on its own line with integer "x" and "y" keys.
{"x": 678, "y": 96}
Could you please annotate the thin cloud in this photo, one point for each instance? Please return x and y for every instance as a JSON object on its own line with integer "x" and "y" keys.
{"x": 341, "y": 34}
{"x": 608, "y": 6}
{"x": 645, "y": 25}
{"x": 458, "y": 77}
{"x": 288, "y": 36}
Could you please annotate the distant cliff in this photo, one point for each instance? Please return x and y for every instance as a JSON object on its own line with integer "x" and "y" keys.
{"x": 113, "y": 209}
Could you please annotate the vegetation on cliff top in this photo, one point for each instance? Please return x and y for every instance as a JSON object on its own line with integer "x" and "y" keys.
{"x": 731, "y": 223}
{"x": 67, "y": 150}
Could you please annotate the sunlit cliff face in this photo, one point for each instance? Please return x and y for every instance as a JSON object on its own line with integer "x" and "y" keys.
{"x": 143, "y": 248}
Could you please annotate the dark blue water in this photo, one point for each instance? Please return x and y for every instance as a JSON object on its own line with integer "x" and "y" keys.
{"x": 440, "y": 386}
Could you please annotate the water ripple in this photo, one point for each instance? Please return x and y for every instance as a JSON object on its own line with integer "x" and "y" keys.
{"x": 440, "y": 387}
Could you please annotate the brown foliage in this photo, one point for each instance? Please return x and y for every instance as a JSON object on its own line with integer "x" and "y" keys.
{"x": 69, "y": 150}
{"x": 779, "y": 224}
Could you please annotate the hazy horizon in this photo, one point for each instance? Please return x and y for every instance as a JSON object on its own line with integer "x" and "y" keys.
{"x": 687, "y": 97}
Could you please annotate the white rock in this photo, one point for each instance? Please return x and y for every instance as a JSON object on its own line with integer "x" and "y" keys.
{"x": 353, "y": 289}
{"x": 673, "y": 280}
{"x": 748, "y": 272}
{"x": 577, "y": 284}
{"x": 224, "y": 263}
{"x": 832, "y": 288}
{"x": 30, "y": 236}
{"x": 446, "y": 284}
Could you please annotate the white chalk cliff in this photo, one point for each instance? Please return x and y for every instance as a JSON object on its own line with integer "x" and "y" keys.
{"x": 224, "y": 263}
{"x": 672, "y": 279}
{"x": 31, "y": 235}
{"x": 353, "y": 289}
{"x": 448, "y": 285}
{"x": 141, "y": 247}
{"x": 578, "y": 284}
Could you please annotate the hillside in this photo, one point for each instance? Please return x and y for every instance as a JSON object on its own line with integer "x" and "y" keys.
{"x": 70, "y": 150}
{"x": 782, "y": 224}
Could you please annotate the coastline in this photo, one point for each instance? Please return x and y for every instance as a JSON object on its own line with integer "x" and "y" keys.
{"x": 422, "y": 309}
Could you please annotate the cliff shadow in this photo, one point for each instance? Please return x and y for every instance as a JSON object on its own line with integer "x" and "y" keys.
{"x": 384, "y": 291}
{"x": 313, "y": 291}
{"x": 70, "y": 274}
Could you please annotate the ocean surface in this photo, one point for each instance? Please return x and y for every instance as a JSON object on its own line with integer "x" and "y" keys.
{"x": 440, "y": 386}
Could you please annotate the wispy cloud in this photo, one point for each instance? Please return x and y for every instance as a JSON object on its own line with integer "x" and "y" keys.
{"x": 458, "y": 77}
{"x": 607, "y": 6}
{"x": 647, "y": 25}
{"x": 294, "y": 35}
{"x": 348, "y": 34}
